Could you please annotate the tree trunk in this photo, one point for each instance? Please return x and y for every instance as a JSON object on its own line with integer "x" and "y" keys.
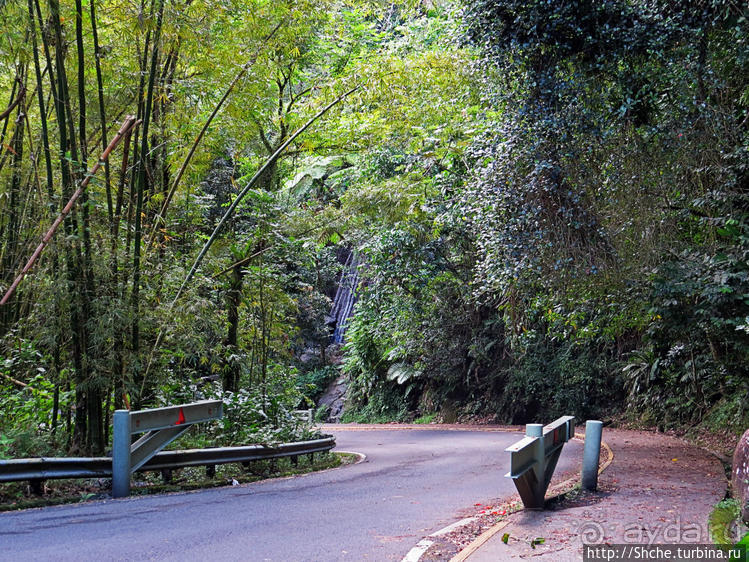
{"x": 73, "y": 270}
{"x": 141, "y": 185}
{"x": 12, "y": 210}
{"x": 233, "y": 300}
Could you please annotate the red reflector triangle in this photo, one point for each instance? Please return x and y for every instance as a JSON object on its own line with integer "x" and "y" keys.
{"x": 181, "y": 418}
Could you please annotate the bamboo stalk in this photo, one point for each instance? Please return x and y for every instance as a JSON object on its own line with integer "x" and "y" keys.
{"x": 160, "y": 219}
{"x": 102, "y": 113}
{"x": 241, "y": 195}
{"x": 126, "y": 127}
{"x": 15, "y": 381}
{"x": 42, "y": 107}
{"x": 141, "y": 184}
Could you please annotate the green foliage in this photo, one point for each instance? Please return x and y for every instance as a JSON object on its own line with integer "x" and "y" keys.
{"x": 729, "y": 413}
{"x": 724, "y": 524}
{"x": 426, "y": 418}
{"x": 252, "y": 418}
{"x": 371, "y": 401}
{"x": 551, "y": 380}
{"x": 697, "y": 346}
{"x": 590, "y": 250}
{"x": 321, "y": 414}
{"x": 313, "y": 383}
{"x": 5, "y": 447}
{"x": 28, "y": 422}
{"x": 548, "y": 200}
{"x": 591, "y": 186}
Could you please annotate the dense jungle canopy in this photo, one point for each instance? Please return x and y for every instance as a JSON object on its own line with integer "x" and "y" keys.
{"x": 545, "y": 203}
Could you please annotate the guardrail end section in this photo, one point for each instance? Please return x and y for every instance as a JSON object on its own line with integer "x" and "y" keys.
{"x": 534, "y": 458}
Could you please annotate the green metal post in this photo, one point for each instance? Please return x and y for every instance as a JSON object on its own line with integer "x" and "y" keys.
{"x": 591, "y": 452}
{"x": 121, "y": 454}
{"x": 539, "y": 468}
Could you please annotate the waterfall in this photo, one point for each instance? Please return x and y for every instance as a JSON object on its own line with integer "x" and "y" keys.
{"x": 345, "y": 297}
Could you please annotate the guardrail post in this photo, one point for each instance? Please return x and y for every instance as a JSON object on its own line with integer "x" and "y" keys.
{"x": 534, "y": 430}
{"x": 534, "y": 458}
{"x": 591, "y": 452}
{"x": 121, "y": 454}
{"x": 160, "y": 427}
{"x": 537, "y": 430}
{"x": 37, "y": 486}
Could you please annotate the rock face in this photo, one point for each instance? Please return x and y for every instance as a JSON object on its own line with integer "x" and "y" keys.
{"x": 334, "y": 398}
{"x": 740, "y": 475}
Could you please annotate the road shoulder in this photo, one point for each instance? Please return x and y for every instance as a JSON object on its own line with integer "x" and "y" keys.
{"x": 659, "y": 490}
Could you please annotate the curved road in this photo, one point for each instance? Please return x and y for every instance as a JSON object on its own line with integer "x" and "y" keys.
{"x": 412, "y": 483}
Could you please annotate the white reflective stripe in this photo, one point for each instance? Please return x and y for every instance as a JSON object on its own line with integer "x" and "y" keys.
{"x": 416, "y": 552}
{"x": 451, "y": 528}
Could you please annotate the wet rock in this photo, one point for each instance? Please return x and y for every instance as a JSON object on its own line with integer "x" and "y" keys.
{"x": 309, "y": 355}
{"x": 334, "y": 354}
{"x": 334, "y": 398}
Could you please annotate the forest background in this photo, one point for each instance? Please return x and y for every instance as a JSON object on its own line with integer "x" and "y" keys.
{"x": 547, "y": 203}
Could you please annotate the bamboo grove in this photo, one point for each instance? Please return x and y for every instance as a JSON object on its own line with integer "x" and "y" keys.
{"x": 73, "y": 75}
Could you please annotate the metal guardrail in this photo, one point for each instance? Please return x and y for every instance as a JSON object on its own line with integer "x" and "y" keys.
{"x": 223, "y": 455}
{"x": 50, "y": 468}
{"x": 534, "y": 458}
{"x": 160, "y": 426}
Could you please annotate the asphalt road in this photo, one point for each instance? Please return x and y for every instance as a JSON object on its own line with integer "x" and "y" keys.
{"x": 412, "y": 483}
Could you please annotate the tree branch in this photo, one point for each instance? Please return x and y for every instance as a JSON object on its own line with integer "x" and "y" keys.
{"x": 21, "y": 93}
{"x": 127, "y": 126}
{"x": 15, "y": 381}
{"x": 293, "y": 99}
{"x": 263, "y": 137}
